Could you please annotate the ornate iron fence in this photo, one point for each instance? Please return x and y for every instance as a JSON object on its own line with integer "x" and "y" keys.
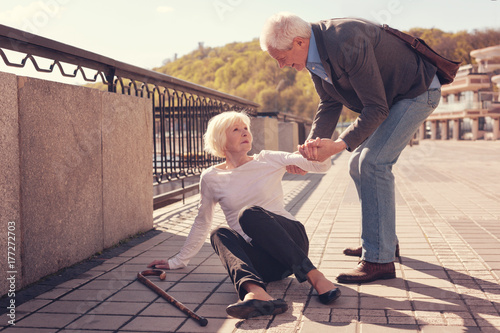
{"x": 180, "y": 109}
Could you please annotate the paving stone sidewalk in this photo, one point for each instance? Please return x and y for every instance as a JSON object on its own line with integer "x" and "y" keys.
{"x": 448, "y": 211}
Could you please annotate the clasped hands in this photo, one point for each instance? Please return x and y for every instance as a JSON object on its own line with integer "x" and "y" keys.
{"x": 317, "y": 150}
{"x": 321, "y": 149}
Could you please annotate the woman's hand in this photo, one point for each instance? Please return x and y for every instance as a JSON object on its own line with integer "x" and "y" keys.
{"x": 321, "y": 149}
{"x": 293, "y": 169}
{"x": 160, "y": 264}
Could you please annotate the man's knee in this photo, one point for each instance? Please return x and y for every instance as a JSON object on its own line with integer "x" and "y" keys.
{"x": 354, "y": 166}
{"x": 354, "y": 170}
{"x": 366, "y": 164}
{"x": 372, "y": 166}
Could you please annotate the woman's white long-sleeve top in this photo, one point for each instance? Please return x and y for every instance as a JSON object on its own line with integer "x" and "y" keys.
{"x": 255, "y": 183}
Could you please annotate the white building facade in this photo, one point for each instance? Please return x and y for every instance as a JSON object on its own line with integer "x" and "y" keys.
{"x": 470, "y": 106}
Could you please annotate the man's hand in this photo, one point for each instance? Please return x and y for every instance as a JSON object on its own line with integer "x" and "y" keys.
{"x": 293, "y": 169}
{"x": 321, "y": 149}
{"x": 310, "y": 149}
{"x": 159, "y": 264}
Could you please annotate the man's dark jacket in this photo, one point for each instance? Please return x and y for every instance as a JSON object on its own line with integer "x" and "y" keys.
{"x": 369, "y": 70}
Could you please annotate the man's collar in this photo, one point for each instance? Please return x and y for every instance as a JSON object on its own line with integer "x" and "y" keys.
{"x": 313, "y": 63}
{"x": 313, "y": 54}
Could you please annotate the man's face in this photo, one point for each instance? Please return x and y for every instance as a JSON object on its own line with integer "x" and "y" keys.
{"x": 296, "y": 57}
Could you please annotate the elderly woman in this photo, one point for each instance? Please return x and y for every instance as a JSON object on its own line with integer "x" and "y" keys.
{"x": 264, "y": 242}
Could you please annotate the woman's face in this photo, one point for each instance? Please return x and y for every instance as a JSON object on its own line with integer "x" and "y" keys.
{"x": 238, "y": 138}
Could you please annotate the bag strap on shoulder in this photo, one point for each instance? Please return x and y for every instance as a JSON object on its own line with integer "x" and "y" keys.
{"x": 414, "y": 42}
{"x": 446, "y": 68}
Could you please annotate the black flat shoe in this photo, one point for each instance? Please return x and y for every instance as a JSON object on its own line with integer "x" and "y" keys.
{"x": 254, "y": 308}
{"x": 329, "y": 296}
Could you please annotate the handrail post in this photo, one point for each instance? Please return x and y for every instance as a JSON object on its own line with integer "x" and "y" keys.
{"x": 110, "y": 78}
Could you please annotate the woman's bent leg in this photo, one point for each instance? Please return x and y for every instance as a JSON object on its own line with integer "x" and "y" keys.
{"x": 283, "y": 239}
{"x": 242, "y": 261}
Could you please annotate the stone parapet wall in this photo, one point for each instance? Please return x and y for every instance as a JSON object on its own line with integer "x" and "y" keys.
{"x": 265, "y": 134}
{"x": 288, "y": 133}
{"x": 271, "y": 134}
{"x": 76, "y": 173}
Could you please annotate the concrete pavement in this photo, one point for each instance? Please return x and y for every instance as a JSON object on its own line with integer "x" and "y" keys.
{"x": 448, "y": 210}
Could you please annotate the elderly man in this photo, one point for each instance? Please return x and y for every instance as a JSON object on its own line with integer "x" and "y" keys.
{"x": 355, "y": 63}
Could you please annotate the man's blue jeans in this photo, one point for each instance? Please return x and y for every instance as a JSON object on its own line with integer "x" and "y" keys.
{"x": 371, "y": 169}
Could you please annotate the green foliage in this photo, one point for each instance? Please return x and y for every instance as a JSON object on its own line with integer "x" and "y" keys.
{"x": 244, "y": 70}
{"x": 458, "y": 45}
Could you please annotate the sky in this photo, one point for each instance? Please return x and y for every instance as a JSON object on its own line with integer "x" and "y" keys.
{"x": 146, "y": 33}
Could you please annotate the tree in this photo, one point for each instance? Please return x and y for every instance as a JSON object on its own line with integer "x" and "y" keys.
{"x": 244, "y": 70}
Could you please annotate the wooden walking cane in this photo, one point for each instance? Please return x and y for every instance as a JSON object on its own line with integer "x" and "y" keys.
{"x": 141, "y": 276}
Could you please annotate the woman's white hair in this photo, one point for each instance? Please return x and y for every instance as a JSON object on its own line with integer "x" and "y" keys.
{"x": 215, "y": 136}
{"x": 280, "y": 30}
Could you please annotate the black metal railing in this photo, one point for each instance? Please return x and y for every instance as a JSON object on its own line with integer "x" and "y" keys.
{"x": 180, "y": 109}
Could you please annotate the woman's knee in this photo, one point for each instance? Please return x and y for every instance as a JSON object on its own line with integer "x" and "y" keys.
{"x": 248, "y": 215}
{"x": 218, "y": 233}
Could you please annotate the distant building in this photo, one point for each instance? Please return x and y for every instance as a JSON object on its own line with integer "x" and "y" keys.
{"x": 470, "y": 106}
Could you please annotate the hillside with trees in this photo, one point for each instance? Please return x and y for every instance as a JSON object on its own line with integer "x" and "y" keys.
{"x": 457, "y": 46}
{"x": 244, "y": 70}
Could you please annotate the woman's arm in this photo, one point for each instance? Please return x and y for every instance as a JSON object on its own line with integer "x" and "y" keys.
{"x": 284, "y": 159}
{"x": 198, "y": 233}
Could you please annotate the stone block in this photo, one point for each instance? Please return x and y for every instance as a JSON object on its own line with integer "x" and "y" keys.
{"x": 307, "y": 130}
{"x": 288, "y": 136}
{"x": 9, "y": 182}
{"x": 76, "y": 173}
{"x": 265, "y": 134}
{"x": 127, "y": 144}
{"x": 61, "y": 175}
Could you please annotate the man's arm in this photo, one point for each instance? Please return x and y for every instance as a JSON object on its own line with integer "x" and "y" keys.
{"x": 362, "y": 69}
{"x": 328, "y": 113}
{"x": 325, "y": 119}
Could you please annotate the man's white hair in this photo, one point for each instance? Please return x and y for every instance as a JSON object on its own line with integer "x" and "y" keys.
{"x": 280, "y": 30}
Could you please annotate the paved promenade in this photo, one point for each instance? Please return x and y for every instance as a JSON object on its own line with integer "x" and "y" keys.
{"x": 448, "y": 210}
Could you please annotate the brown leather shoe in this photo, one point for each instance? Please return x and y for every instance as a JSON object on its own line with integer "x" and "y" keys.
{"x": 357, "y": 251}
{"x": 367, "y": 272}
